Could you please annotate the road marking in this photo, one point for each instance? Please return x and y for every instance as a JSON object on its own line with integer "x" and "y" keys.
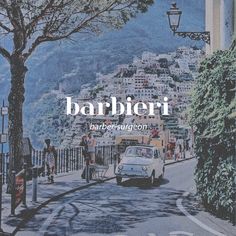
{"x": 193, "y": 219}
{"x": 176, "y": 233}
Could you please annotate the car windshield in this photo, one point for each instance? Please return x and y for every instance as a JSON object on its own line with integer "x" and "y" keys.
{"x": 139, "y": 152}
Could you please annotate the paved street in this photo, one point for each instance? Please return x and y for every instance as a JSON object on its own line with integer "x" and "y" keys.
{"x": 131, "y": 209}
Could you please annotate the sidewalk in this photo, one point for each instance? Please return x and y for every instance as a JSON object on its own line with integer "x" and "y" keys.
{"x": 64, "y": 183}
{"x": 187, "y": 156}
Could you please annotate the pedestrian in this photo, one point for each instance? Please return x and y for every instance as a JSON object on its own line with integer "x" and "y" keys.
{"x": 49, "y": 157}
{"x": 84, "y": 144}
{"x": 87, "y": 171}
{"x": 184, "y": 151}
{"x": 176, "y": 153}
{"x": 91, "y": 147}
{"x": 180, "y": 151}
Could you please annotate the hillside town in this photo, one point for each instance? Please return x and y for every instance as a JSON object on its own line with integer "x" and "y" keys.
{"x": 147, "y": 79}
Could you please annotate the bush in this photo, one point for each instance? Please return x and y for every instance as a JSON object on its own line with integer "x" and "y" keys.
{"x": 213, "y": 118}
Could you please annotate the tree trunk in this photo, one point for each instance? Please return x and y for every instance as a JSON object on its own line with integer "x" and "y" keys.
{"x": 16, "y": 100}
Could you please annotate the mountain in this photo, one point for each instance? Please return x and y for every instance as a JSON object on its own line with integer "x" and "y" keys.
{"x": 77, "y": 62}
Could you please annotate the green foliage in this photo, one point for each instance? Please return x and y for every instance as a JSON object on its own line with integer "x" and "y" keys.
{"x": 213, "y": 117}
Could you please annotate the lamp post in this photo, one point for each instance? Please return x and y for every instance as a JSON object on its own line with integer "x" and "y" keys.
{"x": 174, "y": 16}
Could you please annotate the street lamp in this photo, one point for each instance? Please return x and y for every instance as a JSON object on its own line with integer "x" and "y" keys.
{"x": 174, "y": 16}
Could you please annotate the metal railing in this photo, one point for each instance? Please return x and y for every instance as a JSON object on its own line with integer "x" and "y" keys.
{"x": 67, "y": 160}
{"x": 5, "y": 166}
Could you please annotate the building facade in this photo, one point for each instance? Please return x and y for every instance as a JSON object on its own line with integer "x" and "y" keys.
{"x": 221, "y": 22}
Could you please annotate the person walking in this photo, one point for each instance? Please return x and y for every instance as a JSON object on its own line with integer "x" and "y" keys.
{"x": 176, "y": 153}
{"x": 49, "y": 157}
{"x": 84, "y": 144}
{"x": 180, "y": 151}
{"x": 91, "y": 148}
{"x": 87, "y": 172}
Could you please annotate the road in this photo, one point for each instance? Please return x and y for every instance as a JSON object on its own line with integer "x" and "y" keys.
{"x": 132, "y": 209}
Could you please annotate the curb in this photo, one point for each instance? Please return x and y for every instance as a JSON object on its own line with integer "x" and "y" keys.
{"x": 182, "y": 160}
{"x": 33, "y": 211}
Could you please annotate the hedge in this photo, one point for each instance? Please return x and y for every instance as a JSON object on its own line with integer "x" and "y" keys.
{"x": 213, "y": 118}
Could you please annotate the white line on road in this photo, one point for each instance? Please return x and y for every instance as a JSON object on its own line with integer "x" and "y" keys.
{"x": 193, "y": 219}
{"x": 176, "y": 233}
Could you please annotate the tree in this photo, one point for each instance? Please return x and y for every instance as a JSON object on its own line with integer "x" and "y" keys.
{"x": 29, "y": 23}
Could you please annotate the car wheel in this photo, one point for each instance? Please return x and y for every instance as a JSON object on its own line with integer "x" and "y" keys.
{"x": 118, "y": 180}
{"x": 151, "y": 179}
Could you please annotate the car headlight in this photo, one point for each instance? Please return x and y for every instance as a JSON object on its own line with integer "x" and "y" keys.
{"x": 120, "y": 167}
{"x": 144, "y": 168}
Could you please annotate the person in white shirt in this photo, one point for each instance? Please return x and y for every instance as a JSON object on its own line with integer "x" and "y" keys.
{"x": 91, "y": 147}
{"x": 49, "y": 157}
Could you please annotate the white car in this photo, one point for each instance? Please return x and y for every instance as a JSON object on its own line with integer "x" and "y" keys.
{"x": 140, "y": 162}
